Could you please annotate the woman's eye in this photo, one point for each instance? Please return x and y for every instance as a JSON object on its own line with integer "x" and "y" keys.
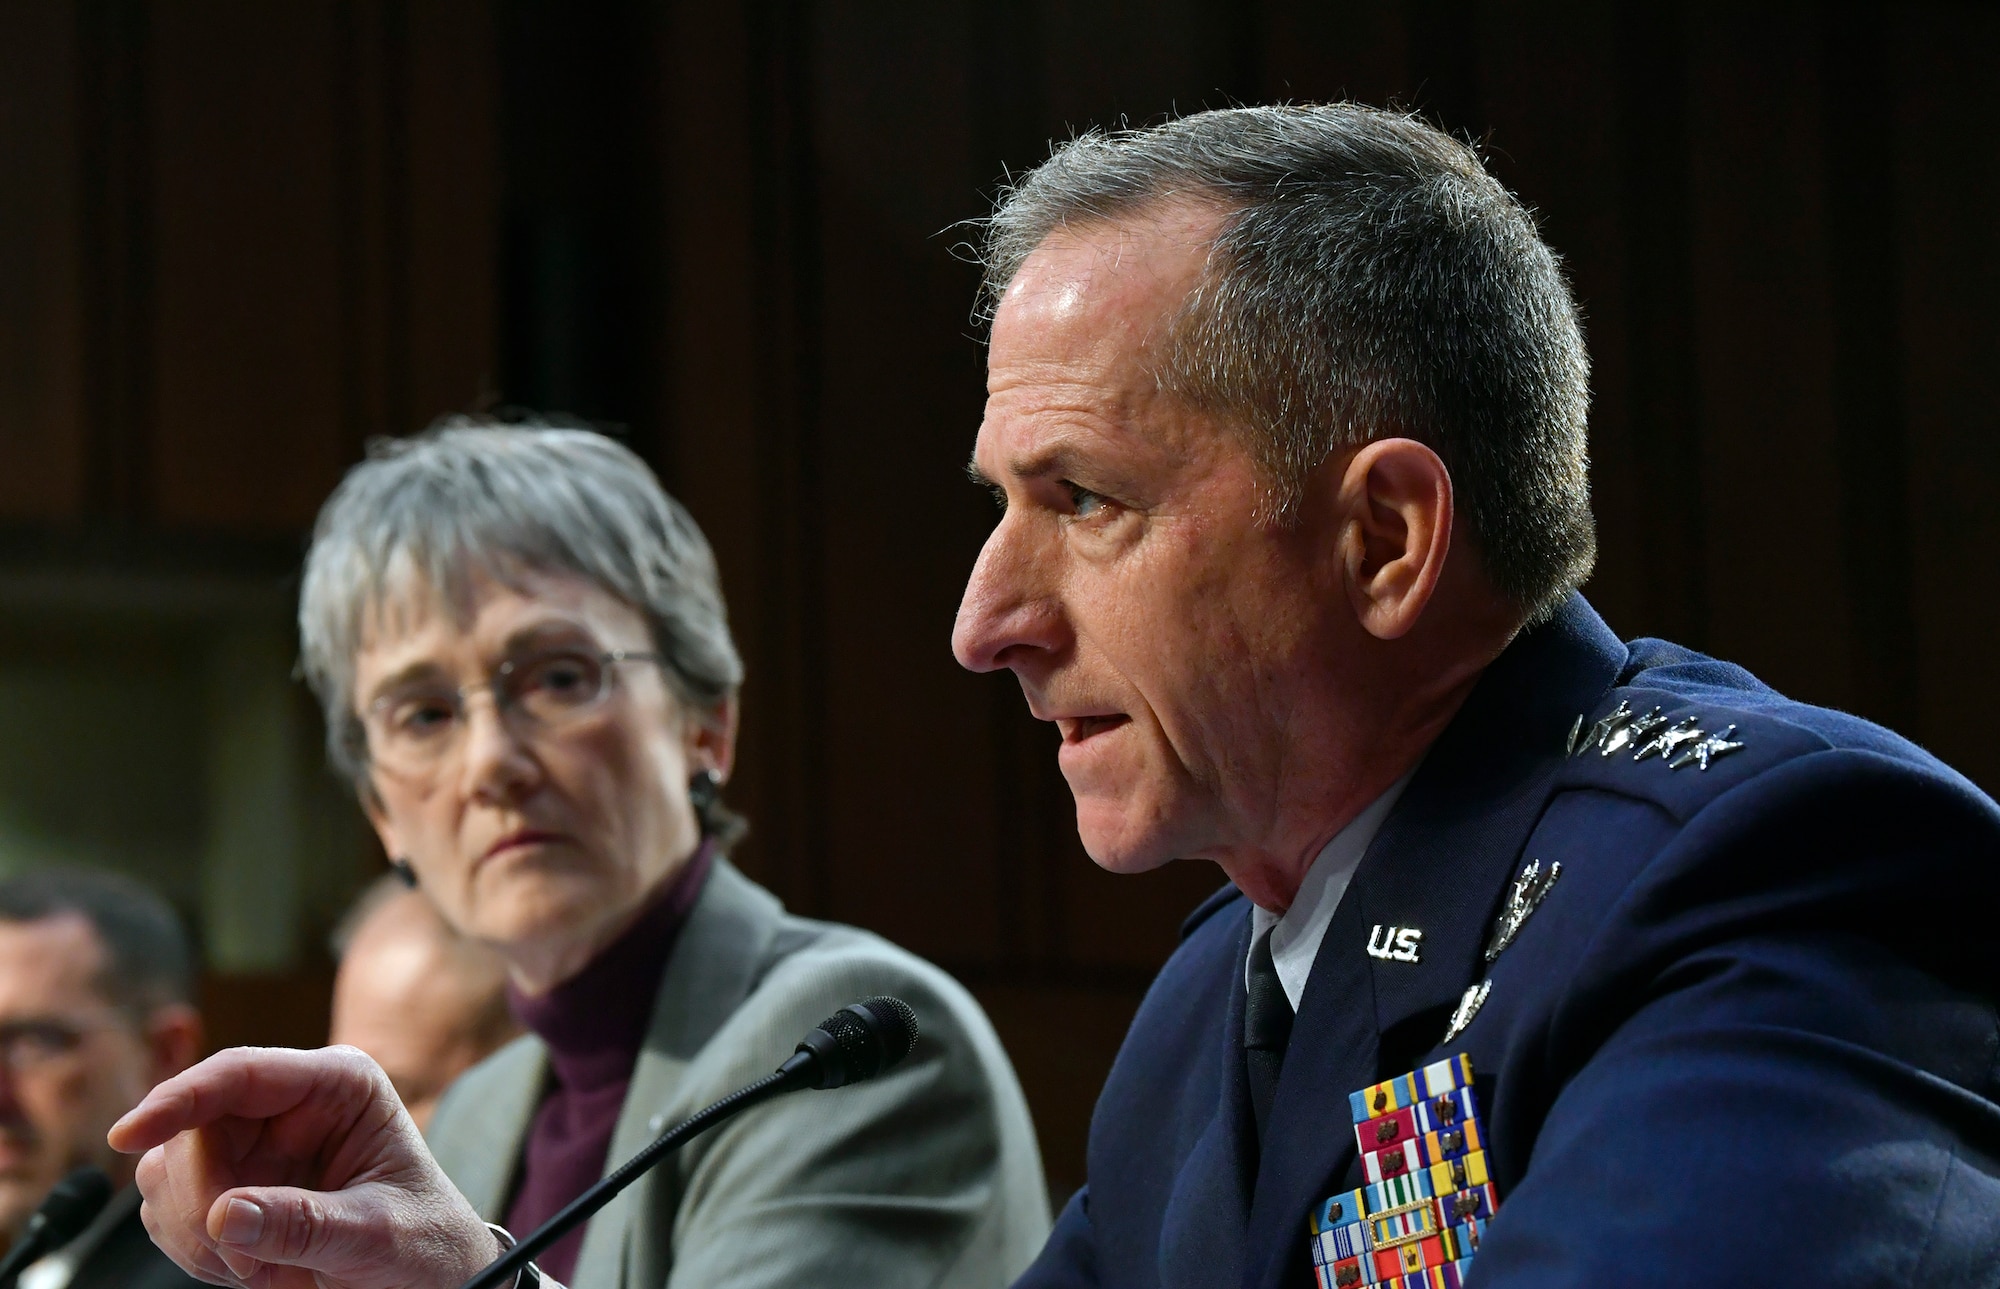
{"x": 421, "y": 716}
{"x": 562, "y": 678}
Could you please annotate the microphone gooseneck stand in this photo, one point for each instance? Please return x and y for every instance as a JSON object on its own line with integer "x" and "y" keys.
{"x": 72, "y": 1204}
{"x": 857, "y": 1042}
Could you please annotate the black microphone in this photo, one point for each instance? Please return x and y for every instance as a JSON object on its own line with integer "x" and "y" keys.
{"x": 858, "y": 1042}
{"x": 70, "y": 1206}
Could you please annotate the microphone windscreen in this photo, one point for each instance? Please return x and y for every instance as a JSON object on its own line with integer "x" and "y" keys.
{"x": 895, "y": 1024}
{"x": 71, "y": 1204}
{"x": 861, "y": 1040}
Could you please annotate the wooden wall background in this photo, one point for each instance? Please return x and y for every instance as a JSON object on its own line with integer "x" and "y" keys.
{"x": 236, "y": 239}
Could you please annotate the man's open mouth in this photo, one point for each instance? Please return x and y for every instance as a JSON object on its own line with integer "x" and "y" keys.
{"x": 1076, "y": 729}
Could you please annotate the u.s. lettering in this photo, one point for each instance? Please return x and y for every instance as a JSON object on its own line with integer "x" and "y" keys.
{"x": 1395, "y": 943}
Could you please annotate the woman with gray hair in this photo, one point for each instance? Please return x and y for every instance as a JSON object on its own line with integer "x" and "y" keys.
{"x": 521, "y": 646}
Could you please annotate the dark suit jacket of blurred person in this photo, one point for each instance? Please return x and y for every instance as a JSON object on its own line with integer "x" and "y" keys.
{"x": 781, "y": 1196}
{"x": 122, "y": 1257}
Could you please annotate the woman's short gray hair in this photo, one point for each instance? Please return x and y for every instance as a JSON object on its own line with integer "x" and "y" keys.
{"x": 472, "y": 497}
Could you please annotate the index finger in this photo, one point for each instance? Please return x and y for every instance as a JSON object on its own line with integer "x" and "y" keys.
{"x": 245, "y": 1082}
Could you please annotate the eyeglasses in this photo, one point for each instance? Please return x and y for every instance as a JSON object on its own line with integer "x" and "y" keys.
{"x": 415, "y": 727}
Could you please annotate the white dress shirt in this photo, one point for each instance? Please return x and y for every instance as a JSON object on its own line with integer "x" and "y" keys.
{"x": 1296, "y": 935}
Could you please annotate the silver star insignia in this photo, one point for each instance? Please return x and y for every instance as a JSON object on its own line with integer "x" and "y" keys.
{"x": 1628, "y": 735}
{"x": 1705, "y": 750}
{"x": 1668, "y": 740}
{"x": 1605, "y": 728}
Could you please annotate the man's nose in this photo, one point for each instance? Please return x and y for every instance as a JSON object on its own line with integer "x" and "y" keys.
{"x": 1005, "y": 614}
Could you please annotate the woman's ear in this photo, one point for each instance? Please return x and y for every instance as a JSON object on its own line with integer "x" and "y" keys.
{"x": 1397, "y": 502}
{"x": 711, "y": 739}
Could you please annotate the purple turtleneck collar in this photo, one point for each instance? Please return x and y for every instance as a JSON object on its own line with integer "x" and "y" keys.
{"x": 593, "y": 1025}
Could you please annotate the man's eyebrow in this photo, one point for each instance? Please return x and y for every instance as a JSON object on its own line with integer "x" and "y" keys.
{"x": 1056, "y": 459}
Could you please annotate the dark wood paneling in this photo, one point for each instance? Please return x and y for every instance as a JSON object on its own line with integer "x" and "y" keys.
{"x": 450, "y": 249}
{"x": 279, "y": 1010}
{"x": 1946, "y": 171}
{"x": 1764, "y": 346}
{"x": 247, "y": 342}
{"x": 42, "y": 408}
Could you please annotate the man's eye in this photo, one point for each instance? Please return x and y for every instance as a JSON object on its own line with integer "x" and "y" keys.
{"x": 1086, "y": 502}
{"x": 999, "y": 495}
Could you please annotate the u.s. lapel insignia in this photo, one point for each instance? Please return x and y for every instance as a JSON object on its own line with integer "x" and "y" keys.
{"x": 1468, "y": 1007}
{"x": 1423, "y": 1211}
{"x": 1395, "y": 943}
{"x": 1705, "y": 749}
{"x": 1527, "y": 893}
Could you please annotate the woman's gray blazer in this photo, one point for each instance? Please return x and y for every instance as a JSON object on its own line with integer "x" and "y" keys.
{"x": 926, "y": 1176}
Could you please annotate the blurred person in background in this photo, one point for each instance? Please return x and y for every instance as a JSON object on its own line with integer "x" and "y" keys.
{"x": 423, "y": 1001}
{"x": 526, "y": 666}
{"x": 95, "y": 985}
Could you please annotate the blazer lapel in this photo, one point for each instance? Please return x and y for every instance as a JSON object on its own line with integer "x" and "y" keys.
{"x": 483, "y": 1162}
{"x": 716, "y": 960}
{"x": 1439, "y": 866}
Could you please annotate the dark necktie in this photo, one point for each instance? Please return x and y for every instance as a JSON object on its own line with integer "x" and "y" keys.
{"x": 1267, "y": 1028}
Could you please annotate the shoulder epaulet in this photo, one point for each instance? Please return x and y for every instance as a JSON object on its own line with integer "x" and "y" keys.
{"x": 1209, "y": 907}
{"x": 1677, "y": 749}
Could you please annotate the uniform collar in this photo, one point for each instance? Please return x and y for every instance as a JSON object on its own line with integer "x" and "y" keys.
{"x": 1297, "y": 934}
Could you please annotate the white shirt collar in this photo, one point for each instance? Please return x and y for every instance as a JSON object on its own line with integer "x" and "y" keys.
{"x": 1296, "y": 936}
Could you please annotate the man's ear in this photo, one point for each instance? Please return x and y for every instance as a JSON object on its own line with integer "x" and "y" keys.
{"x": 173, "y": 1039}
{"x": 1396, "y": 497}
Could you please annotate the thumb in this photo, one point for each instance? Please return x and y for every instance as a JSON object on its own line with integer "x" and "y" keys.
{"x": 335, "y": 1233}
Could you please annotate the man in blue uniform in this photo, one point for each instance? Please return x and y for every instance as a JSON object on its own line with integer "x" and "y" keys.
{"x": 1286, "y": 416}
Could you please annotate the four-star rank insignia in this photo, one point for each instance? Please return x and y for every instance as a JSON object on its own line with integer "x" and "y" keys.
{"x": 1678, "y": 743}
{"x": 1420, "y": 1218}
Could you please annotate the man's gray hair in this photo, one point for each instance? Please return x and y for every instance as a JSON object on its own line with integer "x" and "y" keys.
{"x": 472, "y": 497}
{"x": 1370, "y": 279}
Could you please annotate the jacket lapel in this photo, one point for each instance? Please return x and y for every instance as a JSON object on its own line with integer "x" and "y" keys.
{"x": 1439, "y": 865}
{"x": 716, "y": 960}
{"x": 484, "y": 1154}
{"x": 1207, "y": 1213}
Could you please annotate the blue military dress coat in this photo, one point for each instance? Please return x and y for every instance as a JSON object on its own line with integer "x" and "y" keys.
{"x": 1748, "y": 1036}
